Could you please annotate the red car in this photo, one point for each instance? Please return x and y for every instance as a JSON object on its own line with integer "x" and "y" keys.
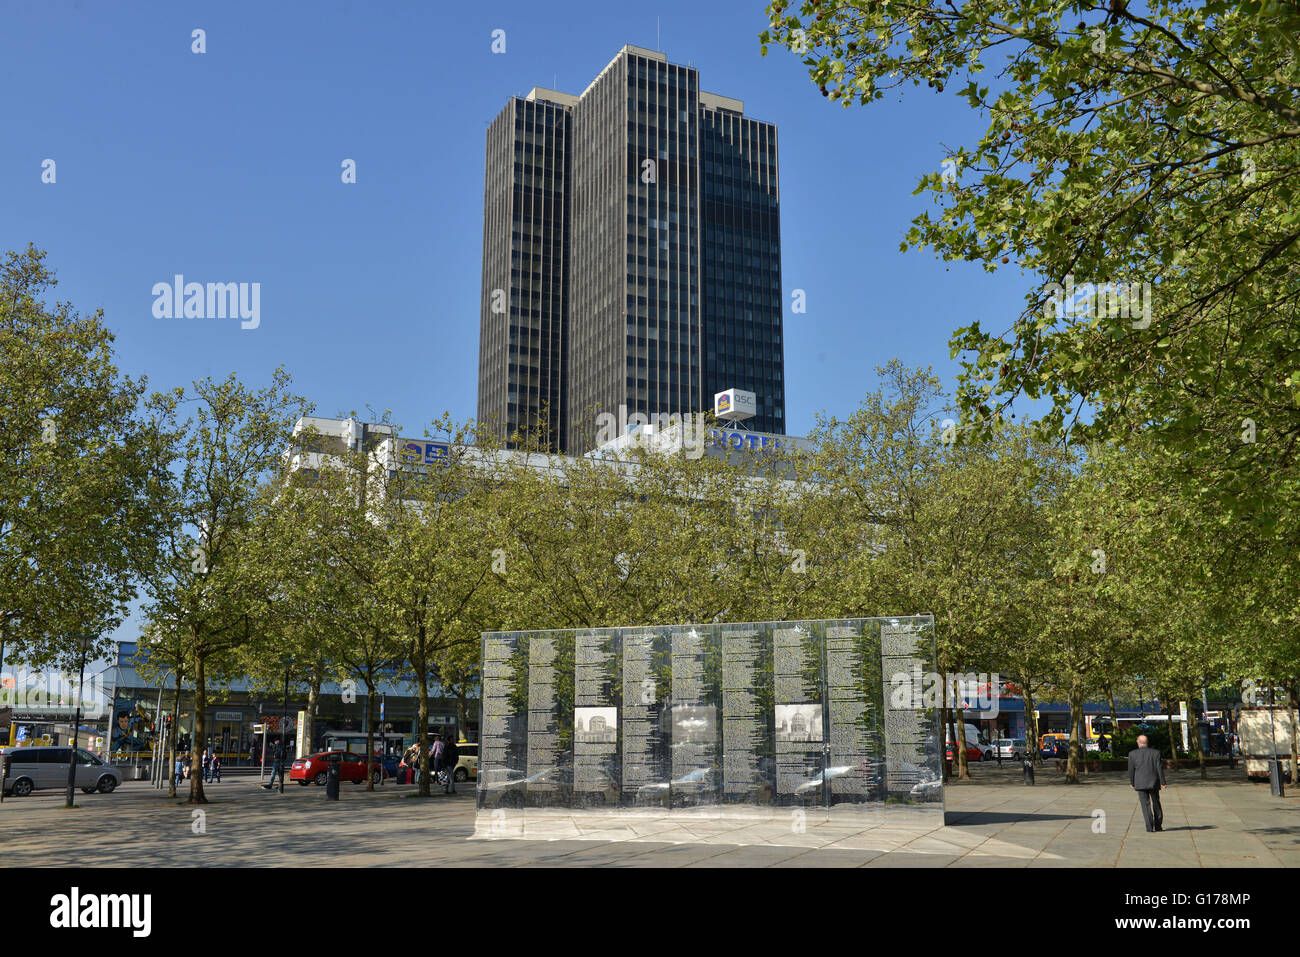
{"x": 315, "y": 768}
{"x": 972, "y": 753}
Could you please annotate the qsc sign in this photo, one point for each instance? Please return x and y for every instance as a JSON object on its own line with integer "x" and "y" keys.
{"x": 421, "y": 452}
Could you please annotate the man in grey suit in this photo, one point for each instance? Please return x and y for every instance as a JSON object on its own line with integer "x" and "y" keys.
{"x": 1146, "y": 773}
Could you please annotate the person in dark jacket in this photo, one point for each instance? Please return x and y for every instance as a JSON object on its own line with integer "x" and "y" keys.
{"x": 1146, "y": 774}
{"x": 450, "y": 758}
{"x": 277, "y": 766}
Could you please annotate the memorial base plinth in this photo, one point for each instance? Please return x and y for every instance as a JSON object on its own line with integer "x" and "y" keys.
{"x": 802, "y": 827}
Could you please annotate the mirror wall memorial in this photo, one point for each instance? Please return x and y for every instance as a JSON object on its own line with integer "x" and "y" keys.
{"x": 717, "y": 717}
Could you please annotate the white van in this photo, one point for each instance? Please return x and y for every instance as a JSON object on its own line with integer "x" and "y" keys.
{"x": 25, "y": 770}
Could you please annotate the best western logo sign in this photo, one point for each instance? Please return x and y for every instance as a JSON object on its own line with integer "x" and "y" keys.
{"x": 417, "y": 452}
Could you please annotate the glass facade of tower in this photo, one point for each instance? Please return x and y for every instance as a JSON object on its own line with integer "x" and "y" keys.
{"x": 659, "y": 217}
{"x": 740, "y": 217}
{"x": 522, "y": 338}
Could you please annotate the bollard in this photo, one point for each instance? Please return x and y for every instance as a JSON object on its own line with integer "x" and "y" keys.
{"x": 1029, "y": 770}
{"x": 332, "y": 781}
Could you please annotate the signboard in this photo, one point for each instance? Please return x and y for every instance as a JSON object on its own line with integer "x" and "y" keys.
{"x": 422, "y": 452}
{"x": 735, "y": 405}
{"x": 734, "y": 439}
{"x": 133, "y": 729}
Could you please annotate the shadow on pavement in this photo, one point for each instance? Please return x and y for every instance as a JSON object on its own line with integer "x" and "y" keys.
{"x": 959, "y": 818}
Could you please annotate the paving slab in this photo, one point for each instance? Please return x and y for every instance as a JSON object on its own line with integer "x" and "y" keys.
{"x": 992, "y": 820}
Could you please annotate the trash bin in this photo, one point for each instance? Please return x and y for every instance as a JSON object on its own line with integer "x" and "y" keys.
{"x": 332, "y": 782}
{"x": 1029, "y": 769}
{"x": 140, "y": 772}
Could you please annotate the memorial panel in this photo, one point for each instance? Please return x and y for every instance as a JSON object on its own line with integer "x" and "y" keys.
{"x": 776, "y": 714}
{"x": 646, "y": 731}
{"x": 748, "y": 754}
{"x": 597, "y": 776}
{"x": 695, "y": 733}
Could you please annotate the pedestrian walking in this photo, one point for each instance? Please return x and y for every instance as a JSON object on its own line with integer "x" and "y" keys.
{"x": 1146, "y": 774}
{"x": 435, "y": 758}
{"x": 216, "y": 767}
{"x": 179, "y": 770}
{"x": 207, "y": 765}
{"x": 277, "y": 766}
{"x": 450, "y": 758}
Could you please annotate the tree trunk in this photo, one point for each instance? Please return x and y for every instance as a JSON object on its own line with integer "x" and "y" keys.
{"x": 1110, "y": 702}
{"x": 200, "y": 730}
{"x": 963, "y": 763}
{"x": 1291, "y": 720}
{"x": 1076, "y": 717}
{"x": 1169, "y": 723}
{"x": 946, "y": 721}
{"x": 1196, "y": 741}
{"x": 309, "y": 719}
{"x": 1083, "y": 739}
{"x": 175, "y": 732}
{"x": 1031, "y": 725}
{"x": 370, "y": 737}
{"x": 421, "y": 665}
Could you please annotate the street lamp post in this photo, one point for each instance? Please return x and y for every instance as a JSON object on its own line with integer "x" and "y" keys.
{"x": 1276, "y": 786}
{"x": 284, "y": 725}
{"x": 83, "y": 642}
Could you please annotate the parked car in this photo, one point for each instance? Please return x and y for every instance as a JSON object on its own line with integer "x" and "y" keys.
{"x": 1055, "y": 748}
{"x": 467, "y": 766}
{"x": 37, "y": 767}
{"x": 314, "y": 769}
{"x": 974, "y": 752}
{"x": 1013, "y": 748}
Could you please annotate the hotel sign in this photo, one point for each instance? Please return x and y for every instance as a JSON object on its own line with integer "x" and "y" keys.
{"x": 422, "y": 452}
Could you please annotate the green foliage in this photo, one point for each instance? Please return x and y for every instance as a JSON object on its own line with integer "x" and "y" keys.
{"x": 79, "y": 474}
{"x": 1155, "y": 146}
{"x": 1157, "y": 737}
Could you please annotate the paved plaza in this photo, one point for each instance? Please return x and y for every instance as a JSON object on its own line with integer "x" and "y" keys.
{"x": 993, "y": 820}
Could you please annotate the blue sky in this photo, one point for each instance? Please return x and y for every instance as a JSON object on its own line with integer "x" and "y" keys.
{"x": 225, "y": 167}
